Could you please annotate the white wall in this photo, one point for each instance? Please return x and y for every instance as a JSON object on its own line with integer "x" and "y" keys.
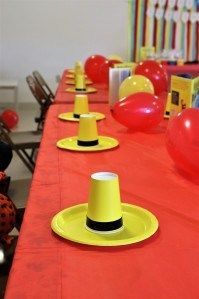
{"x": 50, "y": 35}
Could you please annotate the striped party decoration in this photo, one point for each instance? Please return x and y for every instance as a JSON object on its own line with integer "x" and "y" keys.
{"x": 164, "y": 24}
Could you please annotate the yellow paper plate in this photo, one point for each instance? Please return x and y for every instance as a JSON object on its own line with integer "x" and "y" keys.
{"x": 70, "y": 143}
{"x": 88, "y": 90}
{"x": 72, "y": 82}
{"x": 72, "y": 76}
{"x": 139, "y": 224}
{"x": 69, "y": 116}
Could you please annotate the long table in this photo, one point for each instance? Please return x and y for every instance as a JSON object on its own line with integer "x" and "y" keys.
{"x": 192, "y": 69}
{"x": 62, "y": 97}
{"x": 164, "y": 266}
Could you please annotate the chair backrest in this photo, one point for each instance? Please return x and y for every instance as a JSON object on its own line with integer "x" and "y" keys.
{"x": 23, "y": 143}
{"x": 42, "y": 98}
{"x": 40, "y": 80}
{"x": 37, "y": 91}
{"x": 4, "y": 133}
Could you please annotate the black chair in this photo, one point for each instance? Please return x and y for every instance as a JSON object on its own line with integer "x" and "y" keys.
{"x": 23, "y": 143}
{"x": 40, "y": 80}
{"x": 42, "y": 98}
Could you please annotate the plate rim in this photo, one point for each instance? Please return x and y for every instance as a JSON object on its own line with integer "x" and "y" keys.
{"x": 99, "y": 116}
{"x": 88, "y": 149}
{"x": 133, "y": 240}
{"x": 88, "y": 90}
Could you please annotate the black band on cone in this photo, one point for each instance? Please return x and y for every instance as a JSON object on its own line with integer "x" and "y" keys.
{"x": 104, "y": 226}
{"x": 76, "y": 115}
{"x": 87, "y": 143}
{"x": 80, "y": 89}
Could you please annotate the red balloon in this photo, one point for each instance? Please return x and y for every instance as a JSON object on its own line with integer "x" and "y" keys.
{"x": 140, "y": 111}
{"x": 114, "y": 61}
{"x": 155, "y": 73}
{"x": 182, "y": 140}
{"x": 10, "y": 118}
{"x": 104, "y": 70}
{"x": 92, "y": 67}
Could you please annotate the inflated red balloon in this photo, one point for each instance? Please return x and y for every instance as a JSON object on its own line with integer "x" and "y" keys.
{"x": 104, "y": 70}
{"x": 182, "y": 140}
{"x": 140, "y": 111}
{"x": 92, "y": 67}
{"x": 155, "y": 73}
{"x": 10, "y": 118}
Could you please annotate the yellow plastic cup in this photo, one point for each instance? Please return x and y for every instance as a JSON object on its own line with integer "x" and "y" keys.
{"x": 104, "y": 214}
{"x": 78, "y": 68}
{"x": 134, "y": 84}
{"x": 80, "y": 105}
{"x": 87, "y": 133}
{"x": 80, "y": 82}
{"x": 180, "y": 61}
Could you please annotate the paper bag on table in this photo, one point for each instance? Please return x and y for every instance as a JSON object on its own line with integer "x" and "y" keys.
{"x": 116, "y": 76}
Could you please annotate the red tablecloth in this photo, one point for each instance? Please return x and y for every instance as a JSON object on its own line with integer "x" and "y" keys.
{"x": 62, "y": 97}
{"x": 164, "y": 267}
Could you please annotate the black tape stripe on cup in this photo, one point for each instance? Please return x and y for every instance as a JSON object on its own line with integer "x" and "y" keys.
{"x": 80, "y": 89}
{"x": 87, "y": 143}
{"x": 76, "y": 115}
{"x": 104, "y": 226}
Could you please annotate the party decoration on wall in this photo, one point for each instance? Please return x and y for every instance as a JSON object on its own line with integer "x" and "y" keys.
{"x": 10, "y": 118}
{"x": 140, "y": 112}
{"x": 92, "y": 67}
{"x": 168, "y": 24}
{"x": 155, "y": 73}
{"x": 182, "y": 141}
{"x": 134, "y": 84}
